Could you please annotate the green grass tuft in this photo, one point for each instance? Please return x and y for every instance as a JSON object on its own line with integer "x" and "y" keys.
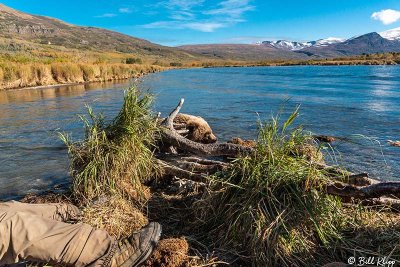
{"x": 115, "y": 158}
{"x": 269, "y": 208}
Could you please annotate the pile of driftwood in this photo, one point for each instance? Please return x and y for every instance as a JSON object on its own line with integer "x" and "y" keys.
{"x": 194, "y": 161}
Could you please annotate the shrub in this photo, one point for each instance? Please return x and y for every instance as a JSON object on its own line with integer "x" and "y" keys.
{"x": 176, "y": 64}
{"x": 133, "y": 61}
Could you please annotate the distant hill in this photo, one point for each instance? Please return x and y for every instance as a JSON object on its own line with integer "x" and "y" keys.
{"x": 242, "y": 52}
{"x": 17, "y": 25}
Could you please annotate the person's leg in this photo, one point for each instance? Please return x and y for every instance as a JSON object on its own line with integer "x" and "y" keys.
{"x": 28, "y": 237}
{"x": 24, "y": 236}
{"x": 57, "y": 211}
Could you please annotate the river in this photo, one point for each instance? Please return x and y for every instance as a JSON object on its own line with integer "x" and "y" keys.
{"x": 359, "y": 104}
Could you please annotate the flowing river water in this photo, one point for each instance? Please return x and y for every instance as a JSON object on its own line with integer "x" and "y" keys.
{"x": 358, "y": 104}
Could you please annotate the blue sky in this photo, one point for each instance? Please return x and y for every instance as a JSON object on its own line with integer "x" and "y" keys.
{"x": 177, "y": 22}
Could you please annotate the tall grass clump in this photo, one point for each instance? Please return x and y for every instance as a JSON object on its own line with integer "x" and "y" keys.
{"x": 115, "y": 157}
{"x": 67, "y": 73}
{"x": 267, "y": 207}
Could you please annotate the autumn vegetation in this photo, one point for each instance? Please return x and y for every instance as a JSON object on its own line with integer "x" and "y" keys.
{"x": 23, "y": 64}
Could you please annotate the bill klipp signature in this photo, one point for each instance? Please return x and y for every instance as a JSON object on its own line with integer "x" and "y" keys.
{"x": 372, "y": 261}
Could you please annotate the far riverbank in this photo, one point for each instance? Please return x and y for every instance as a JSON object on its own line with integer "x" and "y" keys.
{"x": 39, "y": 76}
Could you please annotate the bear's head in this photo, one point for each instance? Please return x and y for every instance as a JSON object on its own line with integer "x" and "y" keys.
{"x": 201, "y": 132}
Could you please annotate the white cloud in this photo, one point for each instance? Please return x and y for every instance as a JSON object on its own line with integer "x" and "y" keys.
{"x": 198, "y": 26}
{"x": 184, "y": 5}
{"x": 387, "y": 16}
{"x": 125, "y": 10}
{"x": 182, "y": 15}
{"x": 197, "y": 15}
{"x": 232, "y": 8}
{"x": 204, "y": 26}
{"x": 107, "y": 15}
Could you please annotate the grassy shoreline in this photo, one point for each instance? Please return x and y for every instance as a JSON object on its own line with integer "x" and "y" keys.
{"x": 16, "y": 73}
{"x": 37, "y": 75}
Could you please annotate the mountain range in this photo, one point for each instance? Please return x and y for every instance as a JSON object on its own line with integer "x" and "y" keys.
{"x": 294, "y": 46}
{"x": 388, "y": 41}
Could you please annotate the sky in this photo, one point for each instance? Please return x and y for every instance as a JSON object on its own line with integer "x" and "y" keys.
{"x": 179, "y": 22}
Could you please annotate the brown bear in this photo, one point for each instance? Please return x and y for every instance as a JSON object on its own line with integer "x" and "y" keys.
{"x": 198, "y": 129}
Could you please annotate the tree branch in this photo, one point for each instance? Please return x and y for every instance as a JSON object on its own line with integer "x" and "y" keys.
{"x": 218, "y": 149}
{"x": 169, "y": 122}
{"x": 371, "y": 191}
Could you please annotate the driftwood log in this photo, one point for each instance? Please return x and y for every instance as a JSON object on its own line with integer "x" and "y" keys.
{"x": 196, "y": 161}
{"x": 371, "y": 191}
{"x": 172, "y": 137}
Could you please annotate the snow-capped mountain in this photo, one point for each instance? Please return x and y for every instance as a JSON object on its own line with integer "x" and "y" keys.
{"x": 287, "y": 45}
{"x": 393, "y": 34}
{"x": 294, "y": 46}
{"x": 369, "y": 43}
{"x": 387, "y": 41}
{"x": 329, "y": 41}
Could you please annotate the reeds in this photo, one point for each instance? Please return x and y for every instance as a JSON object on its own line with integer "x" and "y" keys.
{"x": 115, "y": 157}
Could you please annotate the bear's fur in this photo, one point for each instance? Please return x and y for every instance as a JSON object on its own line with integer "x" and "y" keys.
{"x": 199, "y": 130}
{"x": 246, "y": 143}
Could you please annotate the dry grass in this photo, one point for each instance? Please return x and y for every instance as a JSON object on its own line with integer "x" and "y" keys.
{"x": 115, "y": 215}
{"x": 16, "y": 75}
{"x": 372, "y": 232}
